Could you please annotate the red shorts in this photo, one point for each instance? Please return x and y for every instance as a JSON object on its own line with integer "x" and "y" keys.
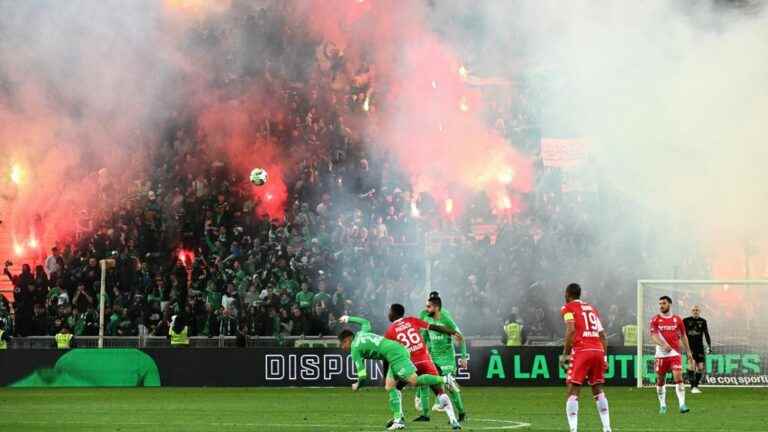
{"x": 426, "y": 367}
{"x": 666, "y": 364}
{"x": 586, "y": 364}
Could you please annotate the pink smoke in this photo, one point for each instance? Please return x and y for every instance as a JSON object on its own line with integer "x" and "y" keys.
{"x": 429, "y": 116}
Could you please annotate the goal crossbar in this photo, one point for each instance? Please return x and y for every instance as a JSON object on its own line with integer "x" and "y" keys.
{"x": 702, "y": 282}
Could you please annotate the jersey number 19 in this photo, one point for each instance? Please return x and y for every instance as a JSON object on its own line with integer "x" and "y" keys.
{"x": 590, "y": 321}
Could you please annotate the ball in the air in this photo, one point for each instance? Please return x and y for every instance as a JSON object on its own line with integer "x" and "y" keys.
{"x": 259, "y": 176}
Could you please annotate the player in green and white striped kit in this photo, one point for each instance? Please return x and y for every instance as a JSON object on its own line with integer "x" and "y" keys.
{"x": 366, "y": 345}
{"x": 443, "y": 354}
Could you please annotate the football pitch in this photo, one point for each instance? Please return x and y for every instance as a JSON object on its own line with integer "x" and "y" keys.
{"x": 325, "y": 409}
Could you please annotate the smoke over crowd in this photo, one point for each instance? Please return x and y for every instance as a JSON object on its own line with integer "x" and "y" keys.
{"x": 671, "y": 98}
{"x": 418, "y": 120}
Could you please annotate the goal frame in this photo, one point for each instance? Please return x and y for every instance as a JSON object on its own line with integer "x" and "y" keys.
{"x": 641, "y": 325}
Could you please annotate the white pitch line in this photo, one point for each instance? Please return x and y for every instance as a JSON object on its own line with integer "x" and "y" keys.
{"x": 624, "y": 429}
{"x": 180, "y": 425}
{"x": 510, "y": 424}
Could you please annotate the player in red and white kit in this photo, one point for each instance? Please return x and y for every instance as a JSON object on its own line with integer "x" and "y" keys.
{"x": 584, "y": 353}
{"x": 668, "y": 333}
{"x": 407, "y": 331}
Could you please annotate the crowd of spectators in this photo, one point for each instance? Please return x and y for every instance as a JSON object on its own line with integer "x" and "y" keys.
{"x": 193, "y": 242}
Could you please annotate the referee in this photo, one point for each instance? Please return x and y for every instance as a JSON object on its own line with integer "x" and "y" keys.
{"x": 696, "y": 328}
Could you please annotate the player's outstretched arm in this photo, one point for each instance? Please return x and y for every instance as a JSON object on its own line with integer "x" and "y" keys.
{"x": 442, "y": 329}
{"x": 364, "y": 324}
{"x": 464, "y": 360}
{"x": 464, "y": 354}
{"x": 451, "y": 324}
{"x": 362, "y": 374}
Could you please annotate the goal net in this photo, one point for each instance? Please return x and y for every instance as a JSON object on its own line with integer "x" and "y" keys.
{"x": 737, "y": 318}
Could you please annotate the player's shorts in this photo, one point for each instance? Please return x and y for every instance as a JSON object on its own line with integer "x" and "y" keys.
{"x": 586, "y": 365}
{"x": 699, "y": 356}
{"x": 666, "y": 364}
{"x": 446, "y": 365}
{"x": 401, "y": 368}
{"x": 426, "y": 367}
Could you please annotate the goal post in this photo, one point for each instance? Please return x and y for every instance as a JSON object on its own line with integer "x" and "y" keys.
{"x": 737, "y": 317}
{"x": 639, "y": 363}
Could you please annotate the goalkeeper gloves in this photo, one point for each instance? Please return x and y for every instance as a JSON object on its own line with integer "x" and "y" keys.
{"x": 344, "y": 319}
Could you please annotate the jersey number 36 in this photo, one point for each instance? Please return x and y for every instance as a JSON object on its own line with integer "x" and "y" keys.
{"x": 410, "y": 337}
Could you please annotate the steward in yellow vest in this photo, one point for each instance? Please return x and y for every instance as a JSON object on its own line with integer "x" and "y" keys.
{"x": 513, "y": 332}
{"x": 630, "y": 335}
{"x": 177, "y": 333}
{"x": 4, "y": 338}
{"x": 64, "y": 338}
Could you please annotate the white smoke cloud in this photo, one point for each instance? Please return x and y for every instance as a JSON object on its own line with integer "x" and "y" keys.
{"x": 672, "y": 98}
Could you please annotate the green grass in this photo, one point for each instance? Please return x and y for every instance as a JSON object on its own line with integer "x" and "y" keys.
{"x": 252, "y": 409}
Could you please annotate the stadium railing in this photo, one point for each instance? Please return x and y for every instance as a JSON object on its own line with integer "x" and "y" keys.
{"x": 202, "y": 342}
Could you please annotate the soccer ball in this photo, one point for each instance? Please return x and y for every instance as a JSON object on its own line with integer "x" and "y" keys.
{"x": 259, "y": 176}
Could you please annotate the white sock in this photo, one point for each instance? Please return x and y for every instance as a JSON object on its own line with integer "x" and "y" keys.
{"x": 572, "y": 412}
{"x": 445, "y": 402}
{"x": 662, "y": 392}
{"x": 602, "y": 409}
{"x": 680, "y": 390}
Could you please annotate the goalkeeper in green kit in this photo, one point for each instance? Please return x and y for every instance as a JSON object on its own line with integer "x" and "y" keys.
{"x": 366, "y": 345}
{"x": 443, "y": 354}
